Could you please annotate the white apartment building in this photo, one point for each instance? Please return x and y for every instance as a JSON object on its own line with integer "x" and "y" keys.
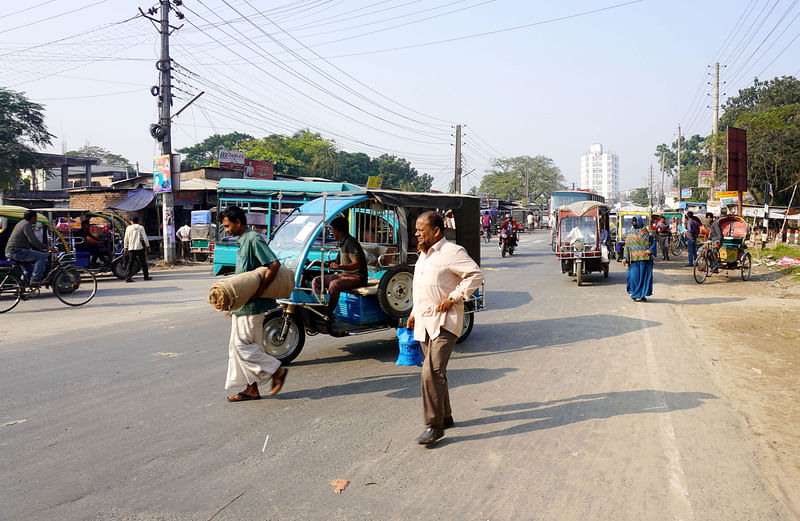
{"x": 600, "y": 172}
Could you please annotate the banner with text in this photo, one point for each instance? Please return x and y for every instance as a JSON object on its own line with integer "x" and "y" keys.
{"x": 162, "y": 175}
{"x": 231, "y": 160}
{"x": 686, "y": 192}
{"x": 704, "y": 179}
{"x": 254, "y": 169}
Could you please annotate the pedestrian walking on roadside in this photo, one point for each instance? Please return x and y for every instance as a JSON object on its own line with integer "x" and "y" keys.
{"x": 184, "y": 234}
{"x": 444, "y": 277}
{"x": 692, "y": 231}
{"x": 663, "y": 235}
{"x": 248, "y": 364}
{"x": 638, "y": 257}
{"x": 134, "y": 245}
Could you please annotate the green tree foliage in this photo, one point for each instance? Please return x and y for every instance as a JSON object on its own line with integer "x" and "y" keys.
{"x": 101, "y": 153}
{"x": 21, "y": 129}
{"x": 206, "y": 153}
{"x": 770, "y": 113}
{"x": 640, "y": 197}
{"x": 694, "y": 157}
{"x": 507, "y": 178}
{"x": 308, "y": 154}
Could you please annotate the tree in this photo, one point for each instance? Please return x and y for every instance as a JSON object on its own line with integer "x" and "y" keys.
{"x": 21, "y": 128}
{"x": 762, "y": 95}
{"x": 694, "y": 157}
{"x": 206, "y": 153}
{"x": 640, "y": 197}
{"x": 104, "y": 155}
{"x": 507, "y": 179}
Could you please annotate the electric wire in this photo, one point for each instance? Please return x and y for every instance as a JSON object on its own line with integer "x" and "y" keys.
{"x": 52, "y": 17}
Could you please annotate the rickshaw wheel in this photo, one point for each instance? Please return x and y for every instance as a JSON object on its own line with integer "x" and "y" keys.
{"x": 287, "y": 350}
{"x": 10, "y": 292}
{"x": 469, "y": 321}
{"x": 700, "y": 269}
{"x": 119, "y": 267}
{"x": 746, "y": 266}
{"x": 394, "y": 291}
{"x": 579, "y": 273}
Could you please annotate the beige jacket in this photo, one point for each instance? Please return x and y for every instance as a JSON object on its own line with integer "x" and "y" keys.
{"x": 446, "y": 270}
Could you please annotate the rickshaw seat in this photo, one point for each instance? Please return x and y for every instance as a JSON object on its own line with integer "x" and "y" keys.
{"x": 370, "y": 289}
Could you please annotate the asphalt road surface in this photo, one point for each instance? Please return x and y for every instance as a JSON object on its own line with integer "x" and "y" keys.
{"x": 571, "y": 403}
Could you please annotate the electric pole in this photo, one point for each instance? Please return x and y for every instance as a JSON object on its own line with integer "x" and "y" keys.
{"x": 661, "y": 199}
{"x": 527, "y": 190}
{"x": 679, "y": 164}
{"x": 457, "y": 185}
{"x": 165, "y": 101}
{"x": 715, "y": 129}
{"x": 650, "y": 190}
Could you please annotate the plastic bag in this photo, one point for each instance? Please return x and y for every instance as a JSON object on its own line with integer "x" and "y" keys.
{"x": 410, "y": 350}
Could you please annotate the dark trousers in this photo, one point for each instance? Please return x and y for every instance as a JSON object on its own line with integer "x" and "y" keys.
{"x": 132, "y": 256}
{"x": 336, "y": 282}
{"x": 691, "y": 245}
{"x": 435, "y": 394}
{"x": 663, "y": 243}
{"x": 186, "y": 247}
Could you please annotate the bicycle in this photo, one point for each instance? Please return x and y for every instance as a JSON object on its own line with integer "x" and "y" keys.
{"x": 677, "y": 244}
{"x": 72, "y": 285}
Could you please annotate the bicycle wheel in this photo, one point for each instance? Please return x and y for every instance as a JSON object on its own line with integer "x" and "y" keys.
{"x": 75, "y": 285}
{"x": 747, "y": 263}
{"x": 700, "y": 269}
{"x": 676, "y": 247}
{"x": 10, "y": 291}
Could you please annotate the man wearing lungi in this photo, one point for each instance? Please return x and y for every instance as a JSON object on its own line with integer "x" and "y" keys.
{"x": 248, "y": 363}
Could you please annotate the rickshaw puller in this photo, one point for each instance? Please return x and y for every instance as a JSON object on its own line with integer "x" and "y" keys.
{"x": 350, "y": 260}
{"x": 25, "y": 248}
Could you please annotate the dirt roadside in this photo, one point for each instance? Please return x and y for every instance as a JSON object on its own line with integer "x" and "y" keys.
{"x": 748, "y": 335}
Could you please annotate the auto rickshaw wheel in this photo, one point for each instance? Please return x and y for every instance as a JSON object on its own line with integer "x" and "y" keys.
{"x": 700, "y": 269}
{"x": 605, "y": 271}
{"x": 291, "y": 346}
{"x": 394, "y": 291}
{"x": 469, "y": 321}
{"x": 579, "y": 272}
{"x": 746, "y": 263}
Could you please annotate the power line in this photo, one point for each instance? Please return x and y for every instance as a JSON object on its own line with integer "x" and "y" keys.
{"x": 52, "y": 17}
{"x": 27, "y": 8}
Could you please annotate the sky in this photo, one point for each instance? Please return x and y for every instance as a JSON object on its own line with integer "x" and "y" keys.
{"x": 522, "y": 77}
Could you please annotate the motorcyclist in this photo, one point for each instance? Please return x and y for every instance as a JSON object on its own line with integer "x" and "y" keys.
{"x": 509, "y": 225}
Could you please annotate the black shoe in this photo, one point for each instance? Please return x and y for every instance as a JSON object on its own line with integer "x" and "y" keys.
{"x": 430, "y": 436}
{"x": 448, "y": 422}
{"x": 130, "y": 280}
{"x": 689, "y": 265}
{"x": 644, "y": 299}
{"x": 148, "y": 278}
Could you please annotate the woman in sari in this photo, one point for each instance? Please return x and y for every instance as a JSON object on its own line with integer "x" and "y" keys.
{"x": 638, "y": 256}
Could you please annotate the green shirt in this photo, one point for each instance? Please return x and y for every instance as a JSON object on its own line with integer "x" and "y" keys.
{"x": 253, "y": 253}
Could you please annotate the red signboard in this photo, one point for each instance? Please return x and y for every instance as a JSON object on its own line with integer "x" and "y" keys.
{"x": 258, "y": 169}
{"x": 737, "y": 159}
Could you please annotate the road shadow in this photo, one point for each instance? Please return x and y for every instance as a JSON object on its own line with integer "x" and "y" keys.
{"x": 538, "y": 416}
{"x": 695, "y": 301}
{"x": 506, "y": 337}
{"x": 139, "y": 287}
{"x": 403, "y": 386}
{"x": 507, "y": 299}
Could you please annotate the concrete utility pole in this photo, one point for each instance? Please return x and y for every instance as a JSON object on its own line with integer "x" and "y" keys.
{"x": 457, "y": 185}
{"x": 650, "y": 190}
{"x": 165, "y": 101}
{"x": 679, "y": 163}
{"x": 715, "y": 129}
{"x": 527, "y": 190}
{"x": 662, "y": 199}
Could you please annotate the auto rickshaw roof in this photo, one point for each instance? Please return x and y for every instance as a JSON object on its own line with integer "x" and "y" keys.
{"x": 16, "y": 212}
{"x": 637, "y": 210}
{"x": 339, "y": 201}
{"x": 580, "y": 208}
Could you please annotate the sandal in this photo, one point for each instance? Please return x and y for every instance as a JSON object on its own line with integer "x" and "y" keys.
{"x": 278, "y": 381}
{"x": 241, "y": 397}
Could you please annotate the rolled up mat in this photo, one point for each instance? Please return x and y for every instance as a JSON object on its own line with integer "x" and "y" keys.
{"x": 234, "y": 292}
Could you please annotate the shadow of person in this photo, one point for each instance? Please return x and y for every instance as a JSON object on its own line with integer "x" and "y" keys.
{"x": 405, "y": 385}
{"x": 536, "y": 416}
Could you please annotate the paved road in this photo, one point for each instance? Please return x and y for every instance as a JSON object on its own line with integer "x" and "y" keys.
{"x": 571, "y": 404}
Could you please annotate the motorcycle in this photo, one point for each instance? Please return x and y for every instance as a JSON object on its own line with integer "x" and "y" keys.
{"x": 507, "y": 243}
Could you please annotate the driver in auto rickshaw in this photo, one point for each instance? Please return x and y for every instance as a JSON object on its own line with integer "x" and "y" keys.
{"x": 352, "y": 263}
{"x": 93, "y": 244}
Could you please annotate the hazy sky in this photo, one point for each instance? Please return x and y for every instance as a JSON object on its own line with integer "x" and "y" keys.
{"x": 370, "y": 74}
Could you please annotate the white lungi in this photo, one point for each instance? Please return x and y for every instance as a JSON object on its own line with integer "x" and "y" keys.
{"x": 247, "y": 361}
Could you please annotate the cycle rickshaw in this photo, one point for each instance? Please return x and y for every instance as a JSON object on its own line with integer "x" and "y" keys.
{"x": 732, "y": 255}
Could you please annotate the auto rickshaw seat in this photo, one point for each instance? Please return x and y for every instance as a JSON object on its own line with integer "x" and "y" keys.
{"x": 370, "y": 289}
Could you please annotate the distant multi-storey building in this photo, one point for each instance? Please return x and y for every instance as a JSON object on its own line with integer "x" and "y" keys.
{"x": 600, "y": 172}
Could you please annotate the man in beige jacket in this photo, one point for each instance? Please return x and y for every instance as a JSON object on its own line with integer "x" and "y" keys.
{"x": 444, "y": 277}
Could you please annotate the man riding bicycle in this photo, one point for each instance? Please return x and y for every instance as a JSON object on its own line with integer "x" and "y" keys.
{"x": 26, "y": 249}
{"x": 714, "y": 240}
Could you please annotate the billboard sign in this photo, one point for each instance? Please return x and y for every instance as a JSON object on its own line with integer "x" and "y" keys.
{"x": 254, "y": 169}
{"x": 737, "y": 159}
{"x": 704, "y": 179}
{"x": 374, "y": 182}
{"x": 686, "y": 193}
{"x": 231, "y": 160}
{"x": 162, "y": 175}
